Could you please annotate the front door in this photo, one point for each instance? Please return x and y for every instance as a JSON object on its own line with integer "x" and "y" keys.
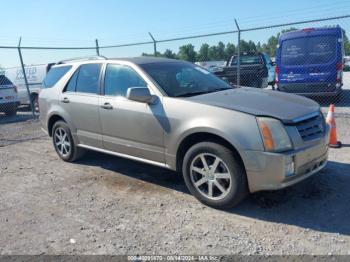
{"x": 130, "y": 127}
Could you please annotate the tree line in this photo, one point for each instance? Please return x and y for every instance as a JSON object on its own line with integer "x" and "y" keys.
{"x": 222, "y": 52}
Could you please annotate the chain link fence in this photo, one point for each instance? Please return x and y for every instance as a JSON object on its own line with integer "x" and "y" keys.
{"x": 308, "y": 58}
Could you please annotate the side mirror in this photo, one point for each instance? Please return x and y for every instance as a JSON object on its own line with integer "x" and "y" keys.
{"x": 140, "y": 94}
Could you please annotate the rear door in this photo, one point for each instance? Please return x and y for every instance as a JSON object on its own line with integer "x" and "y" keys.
{"x": 309, "y": 59}
{"x": 80, "y": 100}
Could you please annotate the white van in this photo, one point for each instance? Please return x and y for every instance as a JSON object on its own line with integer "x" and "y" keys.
{"x": 35, "y": 76}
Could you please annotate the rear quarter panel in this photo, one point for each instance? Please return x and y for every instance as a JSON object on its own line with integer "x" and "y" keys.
{"x": 50, "y": 104}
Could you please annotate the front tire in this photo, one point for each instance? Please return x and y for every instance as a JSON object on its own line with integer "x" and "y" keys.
{"x": 64, "y": 144}
{"x": 214, "y": 175}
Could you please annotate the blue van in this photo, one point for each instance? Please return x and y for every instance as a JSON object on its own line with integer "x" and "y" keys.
{"x": 310, "y": 62}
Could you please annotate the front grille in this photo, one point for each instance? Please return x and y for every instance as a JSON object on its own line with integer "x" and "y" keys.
{"x": 311, "y": 128}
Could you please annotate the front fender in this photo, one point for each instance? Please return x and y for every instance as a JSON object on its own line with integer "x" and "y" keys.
{"x": 239, "y": 129}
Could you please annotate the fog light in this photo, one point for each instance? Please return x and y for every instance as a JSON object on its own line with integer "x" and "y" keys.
{"x": 289, "y": 167}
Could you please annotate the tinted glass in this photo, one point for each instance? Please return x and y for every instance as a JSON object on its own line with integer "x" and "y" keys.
{"x": 184, "y": 79}
{"x": 54, "y": 75}
{"x": 322, "y": 49}
{"x": 72, "y": 82}
{"x": 247, "y": 60}
{"x": 4, "y": 80}
{"x": 119, "y": 78}
{"x": 88, "y": 79}
{"x": 311, "y": 50}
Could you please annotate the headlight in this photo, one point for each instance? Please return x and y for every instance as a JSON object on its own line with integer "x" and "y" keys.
{"x": 274, "y": 135}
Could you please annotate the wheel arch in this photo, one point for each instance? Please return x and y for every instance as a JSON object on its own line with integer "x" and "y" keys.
{"x": 197, "y": 137}
{"x": 52, "y": 120}
{"x": 34, "y": 94}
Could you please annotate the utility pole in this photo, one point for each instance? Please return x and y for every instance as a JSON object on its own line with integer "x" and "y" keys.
{"x": 25, "y": 78}
{"x": 154, "y": 44}
{"x": 97, "y": 47}
{"x": 238, "y": 56}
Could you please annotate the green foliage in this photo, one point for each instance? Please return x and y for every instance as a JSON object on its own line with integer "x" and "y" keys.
{"x": 221, "y": 51}
{"x": 169, "y": 54}
{"x": 346, "y": 44}
{"x": 187, "y": 52}
{"x": 230, "y": 50}
{"x": 203, "y": 54}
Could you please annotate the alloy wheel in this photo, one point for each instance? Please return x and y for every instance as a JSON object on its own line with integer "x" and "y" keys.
{"x": 62, "y": 142}
{"x": 210, "y": 176}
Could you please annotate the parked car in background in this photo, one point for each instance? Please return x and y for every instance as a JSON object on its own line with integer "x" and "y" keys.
{"x": 35, "y": 76}
{"x": 169, "y": 113}
{"x": 209, "y": 65}
{"x": 255, "y": 70}
{"x": 8, "y": 96}
{"x": 310, "y": 62}
{"x": 270, "y": 69}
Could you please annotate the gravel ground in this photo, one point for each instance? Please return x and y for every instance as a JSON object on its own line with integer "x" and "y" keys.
{"x": 108, "y": 205}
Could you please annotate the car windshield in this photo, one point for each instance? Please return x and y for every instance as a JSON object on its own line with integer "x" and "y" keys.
{"x": 181, "y": 79}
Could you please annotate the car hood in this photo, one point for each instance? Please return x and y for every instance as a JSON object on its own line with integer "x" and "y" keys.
{"x": 285, "y": 107}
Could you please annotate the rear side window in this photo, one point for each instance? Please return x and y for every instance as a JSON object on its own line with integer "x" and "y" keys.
{"x": 54, "y": 75}
{"x": 247, "y": 60}
{"x": 4, "y": 80}
{"x": 309, "y": 50}
{"x": 72, "y": 82}
{"x": 89, "y": 79}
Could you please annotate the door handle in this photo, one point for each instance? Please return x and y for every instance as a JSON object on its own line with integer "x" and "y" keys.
{"x": 65, "y": 100}
{"x": 107, "y": 106}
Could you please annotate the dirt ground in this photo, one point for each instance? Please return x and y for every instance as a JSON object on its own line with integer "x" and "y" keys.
{"x": 108, "y": 205}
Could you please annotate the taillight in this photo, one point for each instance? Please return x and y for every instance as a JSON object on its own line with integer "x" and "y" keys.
{"x": 307, "y": 30}
{"x": 339, "y": 68}
{"x": 277, "y": 71}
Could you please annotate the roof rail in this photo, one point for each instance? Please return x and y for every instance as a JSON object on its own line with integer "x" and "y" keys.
{"x": 83, "y": 58}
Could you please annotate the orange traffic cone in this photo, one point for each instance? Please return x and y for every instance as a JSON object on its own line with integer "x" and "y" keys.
{"x": 333, "y": 141}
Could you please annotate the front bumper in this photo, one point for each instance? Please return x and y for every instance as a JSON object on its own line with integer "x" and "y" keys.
{"x": 267, "y": 171}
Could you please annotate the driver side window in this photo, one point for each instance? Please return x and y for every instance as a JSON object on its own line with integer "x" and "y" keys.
{"x": 118, "y": 78}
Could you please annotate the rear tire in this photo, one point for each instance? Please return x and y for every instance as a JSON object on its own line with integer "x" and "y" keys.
{"x": 35, "y": 102}
{"x": 64, "y": 143}
{"x": 219, "y": 180}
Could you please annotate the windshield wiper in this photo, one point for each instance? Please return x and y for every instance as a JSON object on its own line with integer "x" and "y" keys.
{"x": 192, "y": 94}
{"x": 202, "y": 92}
